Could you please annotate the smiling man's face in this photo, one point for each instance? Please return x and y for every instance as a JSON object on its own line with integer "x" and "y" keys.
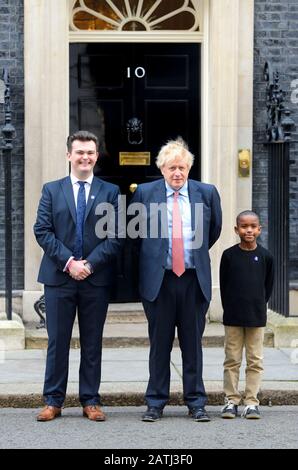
{"x": 82, "y": 158}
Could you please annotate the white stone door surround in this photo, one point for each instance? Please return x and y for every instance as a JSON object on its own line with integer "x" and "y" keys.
{"x": 226, "y": 34}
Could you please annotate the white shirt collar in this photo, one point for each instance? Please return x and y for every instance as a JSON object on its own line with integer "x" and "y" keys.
{"x": 183, "y": 191}
{"x": 74, "y": 179}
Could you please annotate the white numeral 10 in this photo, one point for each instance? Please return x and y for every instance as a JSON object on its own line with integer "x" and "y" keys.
{"x": 139, "y": 72}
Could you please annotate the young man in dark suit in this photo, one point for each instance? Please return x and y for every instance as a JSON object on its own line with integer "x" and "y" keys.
{"x": 77, "y": 269}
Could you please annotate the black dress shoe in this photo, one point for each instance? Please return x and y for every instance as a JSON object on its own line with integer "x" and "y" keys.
{"x": 199, "y": 413}
{"x": 152, "y": 414}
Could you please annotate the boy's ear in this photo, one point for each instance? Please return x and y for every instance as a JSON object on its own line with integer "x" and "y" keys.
{"x": 236, "y": 229}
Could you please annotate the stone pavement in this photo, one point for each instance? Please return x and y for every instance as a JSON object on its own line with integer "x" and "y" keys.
{"x": 130, "y": 331}
{"x": 125, "y": 375}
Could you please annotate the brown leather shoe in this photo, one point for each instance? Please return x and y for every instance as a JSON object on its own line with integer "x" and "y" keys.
{"x": 94, "y": 413}
{"x": 48, "y": 413}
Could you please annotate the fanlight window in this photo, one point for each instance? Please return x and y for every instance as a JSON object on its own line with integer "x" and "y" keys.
{"x": 135, "y": 15}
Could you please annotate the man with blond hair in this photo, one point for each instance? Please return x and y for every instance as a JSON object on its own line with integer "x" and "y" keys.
{"x": 175, "y": 276}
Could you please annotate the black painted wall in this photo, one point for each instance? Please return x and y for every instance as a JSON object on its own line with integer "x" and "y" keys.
{"x": 276, "y": 39}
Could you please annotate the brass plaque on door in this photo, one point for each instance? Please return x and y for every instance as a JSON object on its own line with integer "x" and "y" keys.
{"x": 134, "y": 158}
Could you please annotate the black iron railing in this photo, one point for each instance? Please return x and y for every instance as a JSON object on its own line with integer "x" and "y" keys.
{"x": 278, "y": 133}
{"x": 278, "y": 224}
{"x": 8, "y": 134}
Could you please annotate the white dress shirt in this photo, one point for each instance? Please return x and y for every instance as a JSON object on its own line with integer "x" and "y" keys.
{"x": 185, "y": 211}
{"x": 75, "y": 188}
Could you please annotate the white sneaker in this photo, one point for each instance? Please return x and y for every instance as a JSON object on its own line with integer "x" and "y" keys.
{"x": 251, "y": 412}
{"x": 229, "y": 411}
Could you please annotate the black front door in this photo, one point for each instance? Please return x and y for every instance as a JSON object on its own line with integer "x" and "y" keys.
{"x": 135, "y": 97}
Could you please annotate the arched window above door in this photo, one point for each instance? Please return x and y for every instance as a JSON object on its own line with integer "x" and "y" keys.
{"x": 135, "y": 15}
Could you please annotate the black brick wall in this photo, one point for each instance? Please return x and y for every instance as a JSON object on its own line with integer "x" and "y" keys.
{"x": 12, "y": 57}
{"x": 276, "y": 39}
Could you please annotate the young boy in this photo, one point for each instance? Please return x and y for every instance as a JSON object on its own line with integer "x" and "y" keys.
{"x": 246, "y": 282}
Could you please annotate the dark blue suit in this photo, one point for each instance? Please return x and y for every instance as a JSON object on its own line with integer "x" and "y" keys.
{"x": 55, "y": 232}
{"x": 171, "y": 301}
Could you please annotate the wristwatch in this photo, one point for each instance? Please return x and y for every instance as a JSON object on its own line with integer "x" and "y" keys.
{"x": 89, "y": 266}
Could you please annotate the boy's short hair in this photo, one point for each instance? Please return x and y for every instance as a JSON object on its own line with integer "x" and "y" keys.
{"x": 83, "y": 136}
{"x": 244, "y": 213}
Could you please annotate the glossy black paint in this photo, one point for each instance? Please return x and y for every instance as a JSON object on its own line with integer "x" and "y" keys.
{"x": 159, "y": 84}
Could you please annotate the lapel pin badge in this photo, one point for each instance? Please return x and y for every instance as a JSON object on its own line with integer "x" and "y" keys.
{"x": 92, "y": 197}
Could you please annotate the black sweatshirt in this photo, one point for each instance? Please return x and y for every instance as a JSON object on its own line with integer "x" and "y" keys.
{"x": 246, "y": 282}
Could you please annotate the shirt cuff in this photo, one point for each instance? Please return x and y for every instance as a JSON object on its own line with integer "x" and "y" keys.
{"x": 67, "y": 264}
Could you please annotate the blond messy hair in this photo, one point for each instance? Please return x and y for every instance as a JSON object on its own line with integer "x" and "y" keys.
{"x": 173, "y": 149}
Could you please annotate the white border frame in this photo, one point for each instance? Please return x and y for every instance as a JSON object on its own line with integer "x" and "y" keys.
{"x": 135, "y": 36}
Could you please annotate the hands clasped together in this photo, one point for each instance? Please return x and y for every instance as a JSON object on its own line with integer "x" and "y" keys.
{"x": 79, "y": 270}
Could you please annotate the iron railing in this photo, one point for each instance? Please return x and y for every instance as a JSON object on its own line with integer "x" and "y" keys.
{"x": 278, "y": 133}
{"x": 8, "y": 134}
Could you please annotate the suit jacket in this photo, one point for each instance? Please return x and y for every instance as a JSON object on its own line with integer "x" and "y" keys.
{"x": 55, "y": 232}
{"x": 153, "y": 252}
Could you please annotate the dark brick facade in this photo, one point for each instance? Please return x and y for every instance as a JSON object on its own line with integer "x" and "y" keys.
{"x": 276, "y": 39}
{"x": 12, "y": 57}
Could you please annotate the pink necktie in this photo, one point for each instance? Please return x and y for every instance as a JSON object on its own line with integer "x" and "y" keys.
{"x": 178, "y": 265}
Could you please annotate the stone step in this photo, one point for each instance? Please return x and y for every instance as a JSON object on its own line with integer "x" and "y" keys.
{"x": 126, "y": 313}
{"x": 129, "y": 334}
{"x": 117, "y": 313}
